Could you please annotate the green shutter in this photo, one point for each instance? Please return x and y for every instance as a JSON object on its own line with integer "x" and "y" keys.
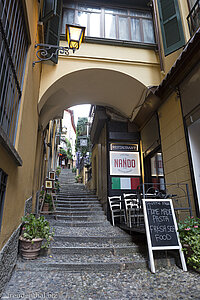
{"x": 48, "y": 9}
{"x": 171, "y": 25}
{"x": 52, "y": 29}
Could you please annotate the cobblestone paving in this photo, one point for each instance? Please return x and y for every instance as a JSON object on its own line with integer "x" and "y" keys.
{"x": 61, "y": 274}
{"x": 171, "y": 283}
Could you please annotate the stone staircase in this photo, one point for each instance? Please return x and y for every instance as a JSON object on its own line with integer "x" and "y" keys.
{"x": 84, "y": 240}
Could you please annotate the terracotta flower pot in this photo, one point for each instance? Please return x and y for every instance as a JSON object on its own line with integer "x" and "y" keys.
{"x": 30, "y": 249}
{"x": 45, "y": 207}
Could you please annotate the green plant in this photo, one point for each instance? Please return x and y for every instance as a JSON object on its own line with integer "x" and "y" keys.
{"x": 37, "y": 228}
{"x": 189, "y": 232}
{"x": 41, "y": 194}
{"x": 78, "y": 178}
{"x": 74, "y": 170}
{"x": 58, "y": 170}
{"x": 48, "y": 199}
{"x": 57, "y": 186}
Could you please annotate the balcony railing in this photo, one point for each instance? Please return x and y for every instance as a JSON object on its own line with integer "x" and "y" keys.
{"x": 194, "y": 18}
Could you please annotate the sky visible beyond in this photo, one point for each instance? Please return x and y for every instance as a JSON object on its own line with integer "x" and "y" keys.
{"x": 80, "y": 111}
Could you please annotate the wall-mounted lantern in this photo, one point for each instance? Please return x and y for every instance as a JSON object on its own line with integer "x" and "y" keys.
{"x": 74, "y": 36}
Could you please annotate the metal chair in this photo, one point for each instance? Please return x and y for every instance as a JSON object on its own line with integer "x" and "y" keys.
{"x": 116, "y": 209}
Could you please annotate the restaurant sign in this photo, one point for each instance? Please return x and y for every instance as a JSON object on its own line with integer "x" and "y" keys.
{"x": 124, "y": 163}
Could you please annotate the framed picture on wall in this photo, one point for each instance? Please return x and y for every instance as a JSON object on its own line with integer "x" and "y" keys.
{"x": 52, "y": 175}
{"x": 48, "y": 184}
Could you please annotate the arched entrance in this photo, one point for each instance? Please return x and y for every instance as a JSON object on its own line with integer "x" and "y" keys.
{"x": 94, "y": 86}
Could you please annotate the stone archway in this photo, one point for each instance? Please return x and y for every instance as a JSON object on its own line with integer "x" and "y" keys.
{"x": 96, "y": 86}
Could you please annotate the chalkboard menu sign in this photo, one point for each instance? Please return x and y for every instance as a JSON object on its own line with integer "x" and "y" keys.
{"x": 161, "y": 223}
{"x": 161, "y": 228}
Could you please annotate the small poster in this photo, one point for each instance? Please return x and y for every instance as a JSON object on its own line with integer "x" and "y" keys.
{"x": 124, "y": 163}
{"x": 48, "y": 184}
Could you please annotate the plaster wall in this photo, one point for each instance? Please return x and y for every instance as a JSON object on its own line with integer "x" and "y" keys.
{"x": 174, "y": 149}
{"x": 99, "y": 169}
{"x": 141, "y": 65}
{"x": 20, "y": 179}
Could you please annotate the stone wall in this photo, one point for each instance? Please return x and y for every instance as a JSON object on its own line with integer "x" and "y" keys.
{"x": 8, "y": 258}
{"x": 28, "y": 206}
{"x": 8, "y": 254}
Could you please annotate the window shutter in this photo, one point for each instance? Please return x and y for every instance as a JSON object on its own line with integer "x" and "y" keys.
{"x": 171, "y": 25}
{"x": 48, "y": 10}
{"x": 52, "y": 30}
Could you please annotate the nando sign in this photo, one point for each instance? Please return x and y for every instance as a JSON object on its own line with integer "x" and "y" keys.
{"x": 124, "y": 163}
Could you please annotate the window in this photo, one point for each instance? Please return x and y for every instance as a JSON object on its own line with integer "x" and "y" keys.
{"x": 3, "y": 181}
{"x": 171, "y": 25}
{"x": 14, "y": 45}
{"x": 194, "y": 16}
{"x": 110, "y": 23}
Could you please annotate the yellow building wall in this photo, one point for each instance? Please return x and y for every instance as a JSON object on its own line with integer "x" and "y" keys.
{"x": 174, "y": 149}
{"x": 138, "y": 63}
{"x": 99, "y": 169}
{"x": 20, "y": 179}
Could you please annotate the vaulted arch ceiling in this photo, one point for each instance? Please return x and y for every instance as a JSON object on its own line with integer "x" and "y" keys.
{"x": 95, "y": 86}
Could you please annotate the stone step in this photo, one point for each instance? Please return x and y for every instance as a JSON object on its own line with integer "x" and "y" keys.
{"x": 78, "y": 203}
{"x": 72, "y": 218}
{"x": 81, "y": 207}
{"x": 74, "y": 213}
{"x": 93, "y": 239}
{"x": 76, "y": 262}
{"x": 77, "y": 197}
{"x": 117, "y": 250}
{"x": 77, "y": 210}
{"x": 83, "y": 224}
{"x": 98, "y": 263}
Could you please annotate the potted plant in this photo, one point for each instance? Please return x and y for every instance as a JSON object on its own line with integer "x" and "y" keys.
{"x": 36, "y": 234}
{"x": 58, "y": 170}
{"x": 189, "y": 232}
{"x": 48, "y": 205}
{"x": 78, "y": 178}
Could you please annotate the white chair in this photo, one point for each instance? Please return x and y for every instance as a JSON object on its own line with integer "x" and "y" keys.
{"x": 131, "y": 207}
{"x": 115, "y": 203}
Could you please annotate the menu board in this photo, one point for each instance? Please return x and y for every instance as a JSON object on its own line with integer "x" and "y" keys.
{"x": 161, "y": 223}
{"x": 161, "y": 228}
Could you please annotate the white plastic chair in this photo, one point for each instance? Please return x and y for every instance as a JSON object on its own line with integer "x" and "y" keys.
{"x": 116, "y": 208}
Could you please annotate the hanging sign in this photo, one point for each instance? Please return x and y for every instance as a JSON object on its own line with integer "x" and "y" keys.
{"x": 124, "y": 147}
{"x": 83, "y": 142}
{"x": 124, "y": 163}
{"x": 161, "y": 228}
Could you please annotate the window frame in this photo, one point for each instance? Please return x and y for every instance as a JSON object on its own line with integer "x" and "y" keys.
{"x": 102, "y": 13}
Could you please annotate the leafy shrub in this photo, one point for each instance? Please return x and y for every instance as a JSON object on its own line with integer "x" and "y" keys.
{"x": 37, "y": 228}
{"x": 189, "y": 232}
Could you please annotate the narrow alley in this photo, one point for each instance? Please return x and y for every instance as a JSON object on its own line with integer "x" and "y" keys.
{"x": 91, "y": 259}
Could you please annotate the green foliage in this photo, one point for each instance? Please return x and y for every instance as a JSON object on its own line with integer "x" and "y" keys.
{"x": 37, "y": 228}
{"x": 58, "y": 170}
{"x": 48, "y": 199}
{"x": 41, "y": 194}
{"x": 189, "y": 232}
{"x": 81, "y": 132}
{"x": 78, "y": 178}
{"x": 67, "y": 153}
{"x": 74, "y": 170}
{"x": 57, "y": 186}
